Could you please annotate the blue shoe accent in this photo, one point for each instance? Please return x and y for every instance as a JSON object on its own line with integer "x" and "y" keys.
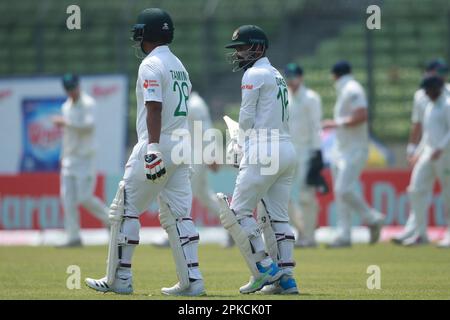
{"x": 287, "y": 283}
{"x": 272, "y": 269}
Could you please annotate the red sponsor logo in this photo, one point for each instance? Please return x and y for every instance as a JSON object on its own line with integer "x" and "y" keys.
{"x": 150, "y": 83}
{"x": 5, "y": 93}
{"x": 101, "y": 91}
{"x": 247, "y": 86}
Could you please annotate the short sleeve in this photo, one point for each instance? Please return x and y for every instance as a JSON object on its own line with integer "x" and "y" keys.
{"x": 357, "y": 98}
{"x": 251, "y": 83}
{"x": 252, "y": 80}
{"x": 150, "y": 78}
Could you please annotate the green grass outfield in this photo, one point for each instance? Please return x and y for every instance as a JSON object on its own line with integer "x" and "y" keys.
{"x": 406, "y": 273}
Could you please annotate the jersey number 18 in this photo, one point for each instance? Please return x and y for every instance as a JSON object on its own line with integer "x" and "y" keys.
{"x": 283, "y": 97}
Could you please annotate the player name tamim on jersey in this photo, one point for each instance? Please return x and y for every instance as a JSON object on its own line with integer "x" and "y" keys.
{"x": 179, "y": 75}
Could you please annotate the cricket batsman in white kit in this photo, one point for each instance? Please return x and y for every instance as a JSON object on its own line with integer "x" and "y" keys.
{"x": 78, "y": 159}
{"x": 305, "y": 116}
{"x": 433, "y": 161}
{"x": 162, "y": 91}
{"x": 199, "y": 121}
{"x": 263, "y": 107}
{"x": 350, "y": 154}
{"x": 437, "y": 67}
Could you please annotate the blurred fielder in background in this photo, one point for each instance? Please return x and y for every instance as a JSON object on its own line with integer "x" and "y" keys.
{"x": 431, "y": 162}
{"x": 410, "y": 236}
{"x": 350, "y": 154}
{"x": 198, "y": 117}
{"x": 305, "y": 116}
{"x": 199, "y": 114}
{"x": 78, "y": 159}
{"x": 199, "y": 120}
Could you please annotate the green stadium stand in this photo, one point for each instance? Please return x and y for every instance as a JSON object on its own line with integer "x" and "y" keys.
{"x": 34, "y": 40}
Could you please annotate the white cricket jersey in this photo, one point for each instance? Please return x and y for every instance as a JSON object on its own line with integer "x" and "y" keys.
{"x": 264, "y": 100}
{"x": 421, "y": 100}
{"x": 305, "y": 114}
{"x": 162, "y": 78}
{"x": 199, "y": 120}
{"x": 198, "y": 111}
{"x": 436, "y": 124}
{"x": 350, "y": 97}
{"x": 78, "y": 147}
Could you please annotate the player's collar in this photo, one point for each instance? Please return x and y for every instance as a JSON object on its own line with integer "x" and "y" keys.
{"x": 262, "y": 61}
{"x": 447, "y": 88}
{"x": 301, "y": 91}
{"x": 439, "y": 101}
{"x": 159, "y": 49}
{"x": 78, "y": 102}
{"x": 342, "y": 81}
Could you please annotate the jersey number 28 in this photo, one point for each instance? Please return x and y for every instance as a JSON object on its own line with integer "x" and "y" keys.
{"x": 183, "y": 94}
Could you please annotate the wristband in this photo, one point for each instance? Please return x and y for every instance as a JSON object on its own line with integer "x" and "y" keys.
{"x": 340, "y": 122}
{"x": 153, "y": 148}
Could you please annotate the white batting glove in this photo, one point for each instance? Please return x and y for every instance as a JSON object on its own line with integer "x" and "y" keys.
{"x": 154, "y": 164}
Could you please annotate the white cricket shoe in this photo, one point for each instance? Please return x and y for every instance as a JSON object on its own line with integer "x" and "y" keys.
{"x": 196, "y": 288}
{"x": 286, "y": 285}
{"x": 120, "y": 285}
{"x": 415, "y": 241}
{"x": 444, "y": 243}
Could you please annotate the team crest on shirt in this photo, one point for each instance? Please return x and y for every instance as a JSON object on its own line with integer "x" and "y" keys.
{"x": 235, "y": 34}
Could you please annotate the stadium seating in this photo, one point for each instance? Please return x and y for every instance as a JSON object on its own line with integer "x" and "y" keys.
{"x": 34, "y": 40}
{"x": 400, "y": 50}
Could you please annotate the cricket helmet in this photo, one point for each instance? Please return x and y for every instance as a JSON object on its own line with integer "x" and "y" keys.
{"x": 153, "y": 25}
{"x": 250, "y": 35}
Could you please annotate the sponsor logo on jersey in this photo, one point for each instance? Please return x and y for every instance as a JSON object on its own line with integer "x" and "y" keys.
{"x": 247, "y": 86}
{"x": 150, "y": 83}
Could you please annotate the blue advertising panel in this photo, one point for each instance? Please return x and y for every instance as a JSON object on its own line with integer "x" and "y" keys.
{"x": 41, "y": 138}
